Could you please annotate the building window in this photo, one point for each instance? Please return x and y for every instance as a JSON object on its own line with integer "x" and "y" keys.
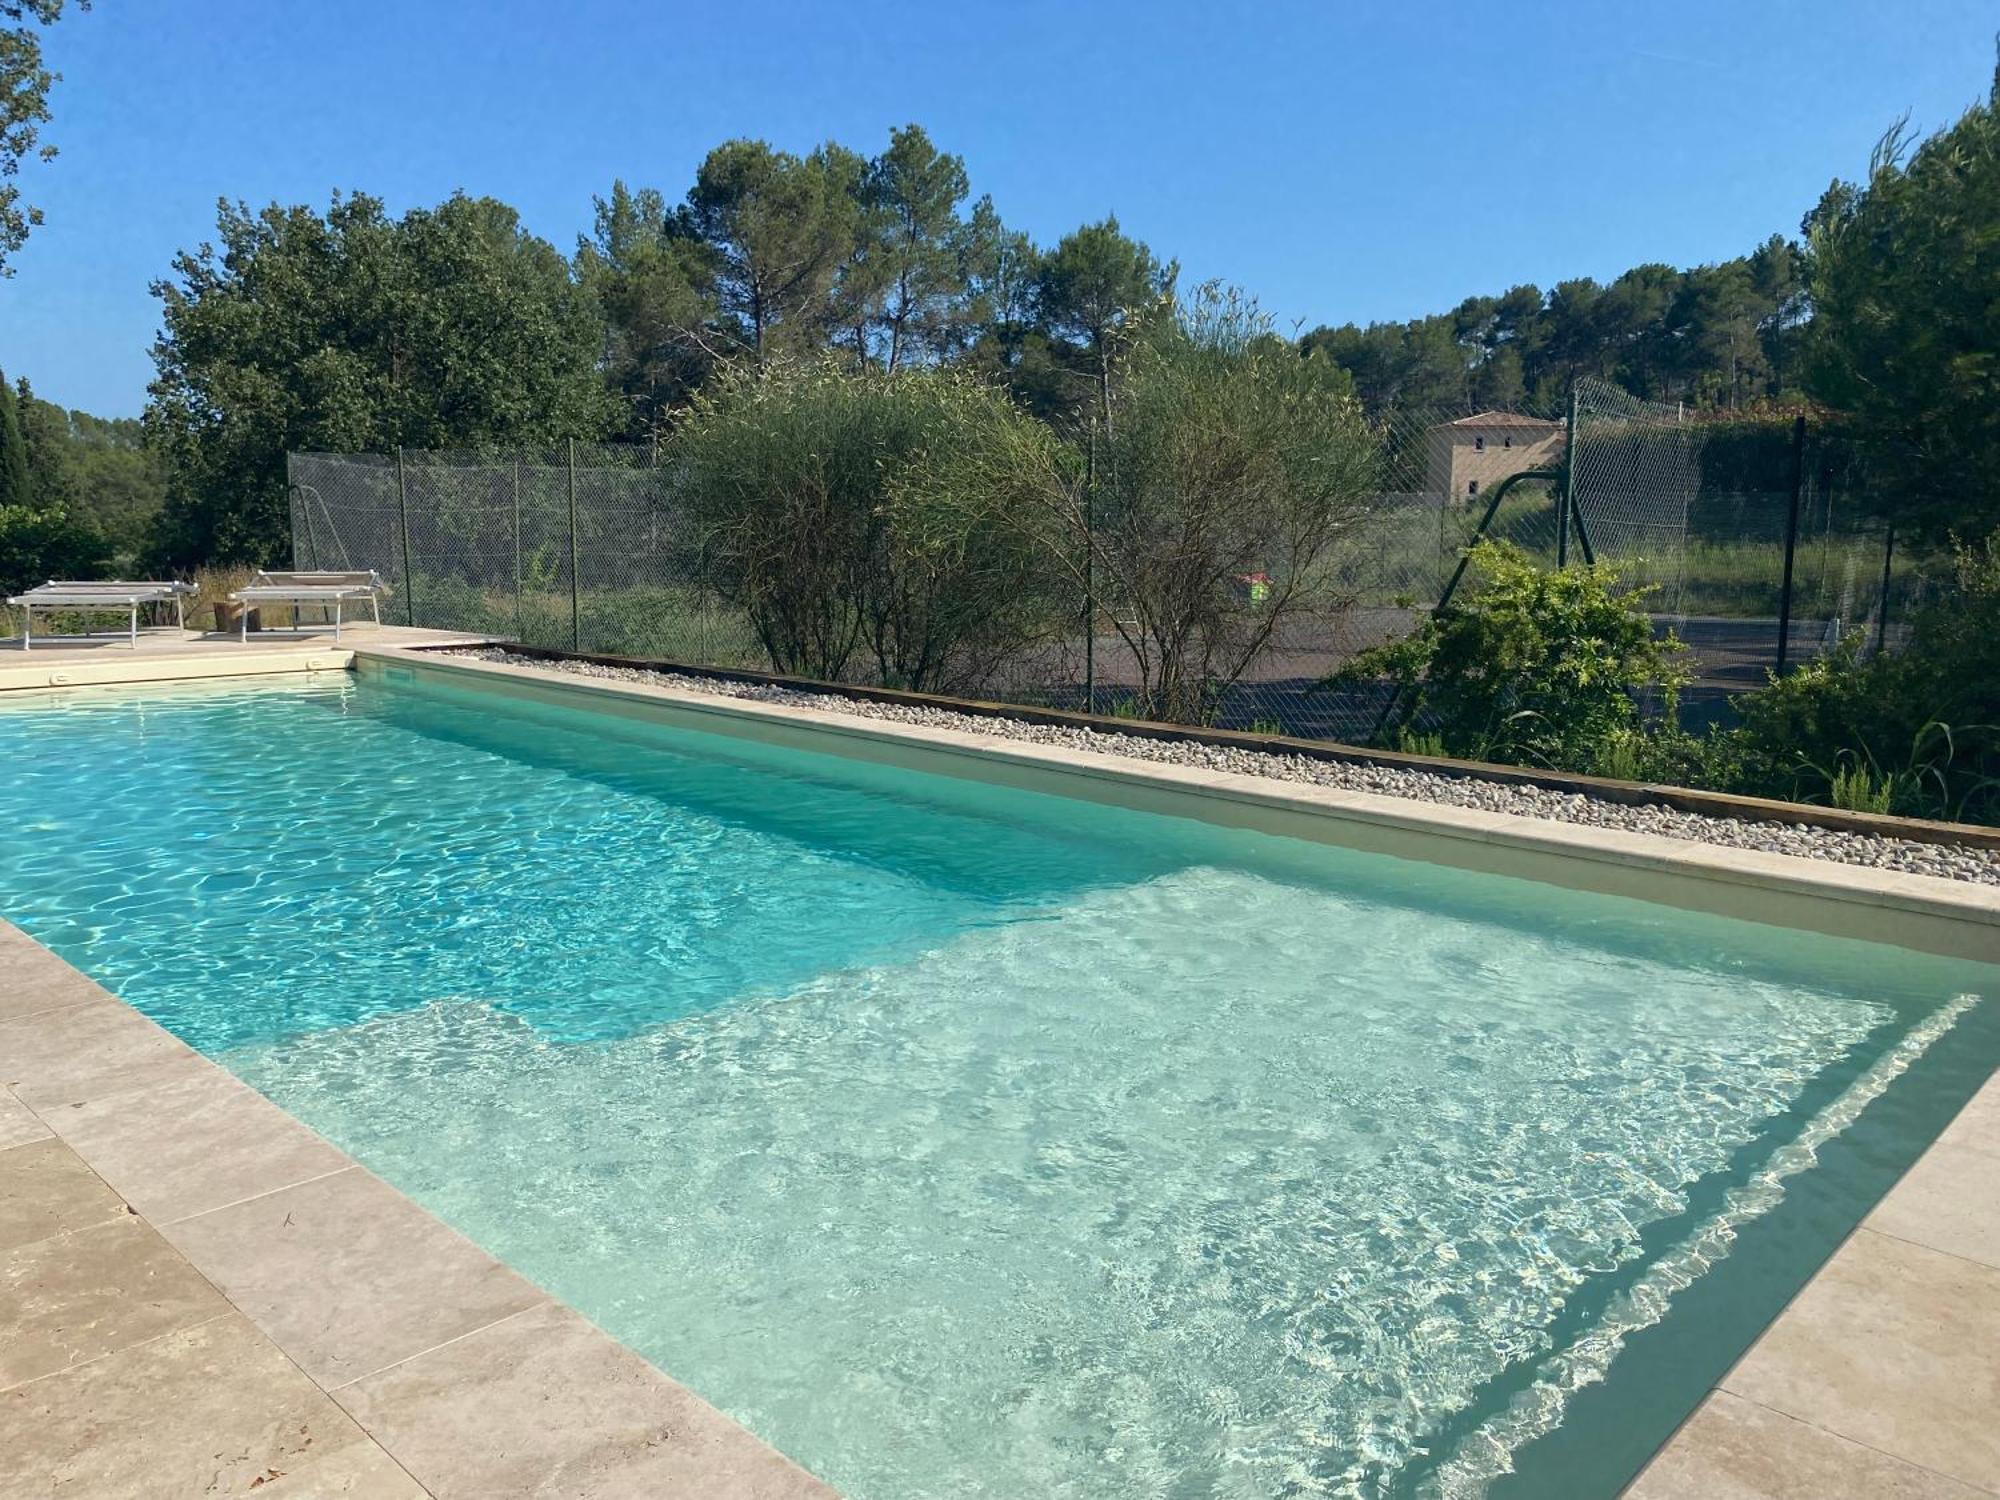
{"x": 1471, "y": 486}
{"x": 1479, "y": 445}
{"x": 1506, "y": 442}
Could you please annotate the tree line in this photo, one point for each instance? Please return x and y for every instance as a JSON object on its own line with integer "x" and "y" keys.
{"x": 78, "y": 493}
{"x": 453, "y": 326}
{"x": 1718, "y": 336}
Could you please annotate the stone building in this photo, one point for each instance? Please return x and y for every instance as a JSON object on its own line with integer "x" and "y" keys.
{"x": 1466, "y": 458}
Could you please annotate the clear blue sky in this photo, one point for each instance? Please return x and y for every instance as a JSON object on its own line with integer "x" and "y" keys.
{"x": 1339, "y": 160}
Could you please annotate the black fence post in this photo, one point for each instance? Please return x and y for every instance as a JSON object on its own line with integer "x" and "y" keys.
{"x": 575, "y": 597}
{"x": 1791, "y": 539}
{"x": 1090, "y": 573}
{"x": 1882, "y": 620}
{"x": 1566, "y": 504}
{"x": 519, "y": 618}
{"x": 403, "y": 518}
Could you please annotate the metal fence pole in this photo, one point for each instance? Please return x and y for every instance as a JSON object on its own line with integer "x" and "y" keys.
{"x": 575, "y": 598}
{"x": 1566, "y": 503}
{"x": 403, "y": 518}
{"x": 1791, "y": 539}
{"x": 1882, "y": 620}
{"x": 1090, "y": 574}
{"x": 305, "y": 514}
{"x": 519, "y": 617}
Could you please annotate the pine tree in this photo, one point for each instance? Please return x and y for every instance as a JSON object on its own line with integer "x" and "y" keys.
{"x": 14, "y": 478}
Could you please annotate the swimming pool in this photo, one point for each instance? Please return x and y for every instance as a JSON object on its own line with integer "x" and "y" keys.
{"x": 967, "y": 1140}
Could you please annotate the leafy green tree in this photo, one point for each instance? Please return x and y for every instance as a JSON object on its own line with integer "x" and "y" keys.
{"x": 24, "y": 108}
{"x": 1905, "y": 333}
{"x": 1002, "y": 337}
{"x": 919, "y": 279}
{"x": 1717, "y": 316}
{"x": 45, "y": 442}
{"x": 1777, "y": 276}
{"x": 1721, "y": 335}
{"x": 448, "y": 327}
{"x": 1537, "y": 665}
{"x": 14, "y": 477}
{"x": 816, "y": 508}
{"x": 1234, "y": 469}
{"x": 1003, "y": 270}
{"x": 1397, "y": 366}
{"x": 1915, "y": 731}
{"x": 777, "y": 229}
{"x": 1096, "y": 289}
{"x": 652, "y": 281}
{"x": 39, "y": 538}
{"x": 118, "y": 482}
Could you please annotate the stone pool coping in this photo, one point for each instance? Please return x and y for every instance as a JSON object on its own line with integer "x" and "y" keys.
{"x": 188, "y": 655}
{"x": 1881, "y": 1378}
{"x": 1953, "y": 917}
{"x": 199, "y": 1295}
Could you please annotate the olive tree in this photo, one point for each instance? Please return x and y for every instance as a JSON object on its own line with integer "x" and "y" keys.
{"x": 812, "y": 497}
{"x": 1206, "y": 521}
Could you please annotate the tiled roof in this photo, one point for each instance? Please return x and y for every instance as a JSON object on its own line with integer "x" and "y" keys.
{"x": 1504, "y": 419}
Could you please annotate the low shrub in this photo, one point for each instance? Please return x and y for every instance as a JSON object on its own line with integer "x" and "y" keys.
{"x": 1912, "y": 732}
{"x": 1538, "y": 666}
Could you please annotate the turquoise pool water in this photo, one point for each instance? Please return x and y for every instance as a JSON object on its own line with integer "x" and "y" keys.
{"x": 964, "y": 1141}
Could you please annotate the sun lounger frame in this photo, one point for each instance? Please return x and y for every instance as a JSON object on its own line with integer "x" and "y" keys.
{"x": 106, "y": 597}
{"x": 331, "y": 589}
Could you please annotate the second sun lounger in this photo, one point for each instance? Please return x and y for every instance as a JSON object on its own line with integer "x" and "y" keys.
{"x": 332, "y": 590}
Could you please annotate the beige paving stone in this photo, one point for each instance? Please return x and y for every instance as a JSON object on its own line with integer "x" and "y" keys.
{"x": 1978, "y": 1124}
{"x": 45, "y": 1190}
{"x": 77, "y": 1297}
{"x": 1732, "y": 1449}
{"x": 72, "y": 1056}
{"x": 347, "y": 1275}
{"x": 1950, "y": 1201}
{"x": 209, "y": 1410}
{"x": 362, "y": 1470}
{"x": 18, "y": 1124}
{"x": 545, "y": 1405}
{"x": 195, "y": 1143}
{"x": 1894, "y": 1346}
{"x": 33, "y": 980}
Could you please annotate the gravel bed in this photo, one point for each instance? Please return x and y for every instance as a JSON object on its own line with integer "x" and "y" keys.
{"x": 1949, "y": 861}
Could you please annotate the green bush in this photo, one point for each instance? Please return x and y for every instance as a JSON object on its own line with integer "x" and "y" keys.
{"x": 1913, "y": 732}
{"x": 1539, "y": 666}
{"x": 813, "y": 496}
{"x": 37, "y": 545}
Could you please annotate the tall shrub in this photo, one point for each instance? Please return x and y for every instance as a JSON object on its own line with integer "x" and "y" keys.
{"x": 1203, "y": 523}
{"x": 813, "y": 499}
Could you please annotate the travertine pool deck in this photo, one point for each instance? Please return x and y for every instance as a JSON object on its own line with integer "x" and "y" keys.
{"x": 200, "y": 1296}
{"x": 1881, "y": 1380}
{"x": 169, "y": 655}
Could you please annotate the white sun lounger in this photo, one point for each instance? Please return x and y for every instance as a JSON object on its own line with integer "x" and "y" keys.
{"x": 114, "y": 596}
{"x": 332, "y": 590}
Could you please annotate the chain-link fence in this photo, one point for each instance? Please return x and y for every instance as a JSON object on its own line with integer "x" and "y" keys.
{"x": 589, "y": 547}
